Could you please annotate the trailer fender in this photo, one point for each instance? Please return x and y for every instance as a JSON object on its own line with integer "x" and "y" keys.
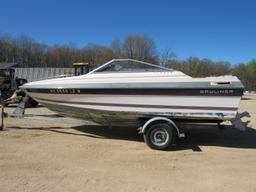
{"x": 169, "y": 121}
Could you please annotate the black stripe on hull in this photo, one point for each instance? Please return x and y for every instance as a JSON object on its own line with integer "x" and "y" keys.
{"x": 142, "y": 106}
{"x": 171, "y": 91}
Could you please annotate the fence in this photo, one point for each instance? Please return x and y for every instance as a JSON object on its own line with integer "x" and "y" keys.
{"x": 36, "y": 74}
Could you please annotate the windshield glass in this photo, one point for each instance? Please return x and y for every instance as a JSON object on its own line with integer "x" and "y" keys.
{"x": 129, "y": 65}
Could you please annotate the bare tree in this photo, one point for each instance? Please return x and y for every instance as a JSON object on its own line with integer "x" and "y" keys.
{"x": 166, "y": 55}
{"x": 117, "y": 48}
{"x": 140, "y": 48}
{"x": 97, "y": 54}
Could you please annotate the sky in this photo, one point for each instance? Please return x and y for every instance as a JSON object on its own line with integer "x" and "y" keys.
{"x": 221, "y": 30}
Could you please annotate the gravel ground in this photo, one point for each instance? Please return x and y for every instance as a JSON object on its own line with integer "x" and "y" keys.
{"x": 52, "y": 156}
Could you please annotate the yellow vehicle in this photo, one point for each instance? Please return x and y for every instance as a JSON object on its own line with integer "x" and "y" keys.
{"x": 82, "y": 68}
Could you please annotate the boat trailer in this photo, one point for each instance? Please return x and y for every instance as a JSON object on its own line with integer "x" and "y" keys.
{"x": 158, "y": 132}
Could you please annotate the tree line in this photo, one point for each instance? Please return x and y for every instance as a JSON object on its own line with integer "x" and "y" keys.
{"x": 204, "y": 67}
{"x": 27, "y": 52}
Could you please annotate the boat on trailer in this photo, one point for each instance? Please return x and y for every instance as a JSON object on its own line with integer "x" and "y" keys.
{"x": 127, "y": 91}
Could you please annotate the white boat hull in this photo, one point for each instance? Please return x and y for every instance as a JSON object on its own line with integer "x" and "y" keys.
{"x": 122, "y": 107}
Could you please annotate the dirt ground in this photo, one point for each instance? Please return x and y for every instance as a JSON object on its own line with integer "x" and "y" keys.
{"x": 52, "y": 156}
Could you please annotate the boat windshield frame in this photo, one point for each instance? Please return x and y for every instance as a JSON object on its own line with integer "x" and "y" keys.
{"x": 148, "y": 67}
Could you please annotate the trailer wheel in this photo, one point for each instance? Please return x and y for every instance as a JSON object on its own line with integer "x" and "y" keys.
{"x": 160, "y": 136}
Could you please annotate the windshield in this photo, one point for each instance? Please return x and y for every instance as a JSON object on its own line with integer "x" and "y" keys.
{"x": 129, "y": 65}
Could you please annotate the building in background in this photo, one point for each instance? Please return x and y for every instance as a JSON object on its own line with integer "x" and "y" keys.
{"x": 41, "y": 73}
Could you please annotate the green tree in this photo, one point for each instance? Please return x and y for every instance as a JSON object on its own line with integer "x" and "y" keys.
{"x": 253, "y": 65}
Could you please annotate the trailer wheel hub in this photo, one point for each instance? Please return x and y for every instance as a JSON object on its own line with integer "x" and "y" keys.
{"x": 159, "y": 137}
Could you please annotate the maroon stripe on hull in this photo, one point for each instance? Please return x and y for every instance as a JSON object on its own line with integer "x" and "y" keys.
{"x": 141, "y": 106}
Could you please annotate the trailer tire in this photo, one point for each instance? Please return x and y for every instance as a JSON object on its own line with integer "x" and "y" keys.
{"x": 160, "y": 136}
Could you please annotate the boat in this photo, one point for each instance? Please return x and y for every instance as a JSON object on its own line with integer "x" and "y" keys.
{"x": 127, "y": 91}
